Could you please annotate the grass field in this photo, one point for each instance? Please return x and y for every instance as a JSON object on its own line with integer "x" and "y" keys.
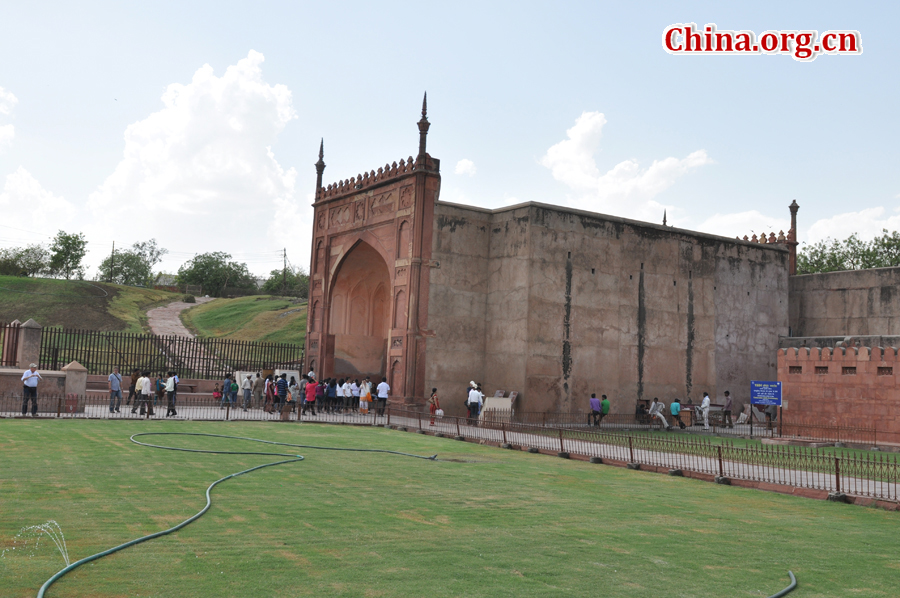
{"x": 480, "y": 522}
{"x": 259, "y": 318}
{"x": 79, "y": 304}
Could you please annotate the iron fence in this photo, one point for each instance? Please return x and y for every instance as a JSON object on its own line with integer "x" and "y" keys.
{"x": 868, "y": 475}
{"x": 204, "y": 358}
{"x": 9, "y": 343}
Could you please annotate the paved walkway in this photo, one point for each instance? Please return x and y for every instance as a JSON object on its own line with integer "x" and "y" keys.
{"x": 164, "y": 321}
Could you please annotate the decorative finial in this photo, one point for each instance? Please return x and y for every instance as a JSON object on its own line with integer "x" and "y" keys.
{"x": 423, "y": 128}
{"x": 320, "y": 167}
{"x": 664, "y": 217}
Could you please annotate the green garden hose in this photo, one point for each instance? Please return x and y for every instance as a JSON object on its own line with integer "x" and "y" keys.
{"x": 293, "y": 459}
{"x": 787, "y": 589}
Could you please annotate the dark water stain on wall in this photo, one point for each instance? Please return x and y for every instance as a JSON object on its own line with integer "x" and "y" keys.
{"x": 689, "y": 358}
{"x": 642, "y": 335}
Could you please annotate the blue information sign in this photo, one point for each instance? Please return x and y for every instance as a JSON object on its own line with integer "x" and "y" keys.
{"x": 765, "y": 393}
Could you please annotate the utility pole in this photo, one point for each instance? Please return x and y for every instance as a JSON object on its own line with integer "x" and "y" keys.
{"x": 112, "y": 262}
{"x": 284, "y": 274}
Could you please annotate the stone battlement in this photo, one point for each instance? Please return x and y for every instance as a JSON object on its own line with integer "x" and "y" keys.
{"x": 839, "y": 353}
{"x": 384, "y": 174}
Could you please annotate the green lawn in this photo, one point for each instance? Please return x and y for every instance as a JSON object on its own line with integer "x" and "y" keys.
{"x": 481, "y": 522}
{"x": 79, "y": 304}
{"x": 256, "y": 318}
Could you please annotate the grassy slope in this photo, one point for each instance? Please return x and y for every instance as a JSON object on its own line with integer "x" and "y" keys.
{"x": 79, "y": 304}
{"x": 261, "y": 318}
{"x": 481, "y": 522}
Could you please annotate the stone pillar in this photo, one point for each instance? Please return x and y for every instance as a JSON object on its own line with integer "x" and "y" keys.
{"x": 76, "y": 379}
{"x": 29, "y": 344}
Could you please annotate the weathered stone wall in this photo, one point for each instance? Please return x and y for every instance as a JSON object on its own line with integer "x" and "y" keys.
{"x": 850, "y": 386}
{"x": 579, "y": 302}
{"x": 457, "y": 302}
{"x": 855, "y": 302}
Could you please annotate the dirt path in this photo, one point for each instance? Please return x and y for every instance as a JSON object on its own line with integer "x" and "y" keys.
{"x": 165, "y": 321}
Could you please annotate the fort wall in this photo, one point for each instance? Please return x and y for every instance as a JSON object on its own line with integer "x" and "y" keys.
{"x": 850, "y": 303}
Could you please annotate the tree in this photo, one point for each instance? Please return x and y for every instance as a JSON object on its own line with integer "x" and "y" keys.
{"x": 132, "y": 266}
{"x": 294, "y": 282}
{"x": 24, "y": 261}
{"x": 852, "y": 253}
{"x": 214, "y": 272}
{"x": 66, "y": 253}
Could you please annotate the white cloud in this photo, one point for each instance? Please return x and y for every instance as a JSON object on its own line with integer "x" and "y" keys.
{"x": 868, "y": 223}
{"x": 626, "y": 189}
{"x": 744, "y": 223}
{"x": 23, "y": 194}
{"x": 7, "y": 132}
{"x": 465, "y": 166}
{"x": 200, "y": 175}
{"x": 7, "y": 101}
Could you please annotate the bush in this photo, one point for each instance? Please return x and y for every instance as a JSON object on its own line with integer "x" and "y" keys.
{"x": 189, "y": 299}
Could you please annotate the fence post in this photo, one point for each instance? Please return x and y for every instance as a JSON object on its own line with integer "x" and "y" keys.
{"x": 780, "y": 420}
{"x": 59, "y": 403}
{"x": 503, "y": 427}
{"x": 227, "y": 410}
{"x": 457, "y": 427}
{"x": 721, "y": 465}
{"x": 561, "y": 449}
{"x": 630, "y": 448}
{"x": 420, "y": 419}
{"x": 388, "y": 416}
{"x": 837, "y": 473}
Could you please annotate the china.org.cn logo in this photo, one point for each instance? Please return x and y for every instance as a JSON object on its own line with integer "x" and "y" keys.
{"x": 803, "y": 46}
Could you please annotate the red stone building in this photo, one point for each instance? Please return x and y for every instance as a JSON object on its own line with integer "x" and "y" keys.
{"x": 551, "y": 302}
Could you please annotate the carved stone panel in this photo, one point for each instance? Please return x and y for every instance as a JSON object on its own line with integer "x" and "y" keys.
{"x": 383, "y": 204}
{"x": 359, "y": 211}
{"x": 321, "y": 222}
{"x": 397, "y": 342}
{"x": 339, "y": 216}
{"x": 406, "y": 197}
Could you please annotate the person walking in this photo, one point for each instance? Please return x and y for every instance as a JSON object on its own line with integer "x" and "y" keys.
{"x": 115, "y": 390}
{"x": 310, "y": 403}
{"x": 30, "y": 380}
{"x": 657, "y": 411}
{"x": 726, "y": 411}
{"x": 146, "y": 394}
{"x": 247, "y": 387}
{"x": 384, "y": 391}
{"x": 704, "y": 407}
{"x": 433, "y": 404}
{"x": 171, "y": 389}
{"x": 133, "y": 391}
{"x": 675, "y": 410}
{"x": 365, "y": 396}
{"x": 476, "y": 401}
{"x": 138, "y": 384}
{"x": 258, "y": 388}
{"x": 596, "y": 407}
{"x": 226, "y": 391}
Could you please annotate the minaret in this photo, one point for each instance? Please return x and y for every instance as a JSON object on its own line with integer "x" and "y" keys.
{"x": 664, "y": 217}
{"x": 792, "y": 238}
{"x": 320, "y": 167}
{"x": 423, "y": 128}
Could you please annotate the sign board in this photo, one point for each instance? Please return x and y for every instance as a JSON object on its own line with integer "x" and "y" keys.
{"x": 765, "y": 393}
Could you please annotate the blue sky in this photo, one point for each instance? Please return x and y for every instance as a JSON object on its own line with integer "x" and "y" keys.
{"x": 198, "y": 123}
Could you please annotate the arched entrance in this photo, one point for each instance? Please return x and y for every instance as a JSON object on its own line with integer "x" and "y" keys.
{"x": 360, "y": 314}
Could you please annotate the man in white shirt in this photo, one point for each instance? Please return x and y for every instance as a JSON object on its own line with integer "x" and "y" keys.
{"x": 347, "y": 394}
{"x": 30, "y": 380}
{"x": 139, "y": 390}
{"x": 354, "y": 395}
{"x": 247, "y": 387}
{"x": 704, "y": 406}
{"x": 383, "y": 391}
{"x": 147, "y": 394}
{"x": 475, "y": 402}
{"x": 657, "y": 411}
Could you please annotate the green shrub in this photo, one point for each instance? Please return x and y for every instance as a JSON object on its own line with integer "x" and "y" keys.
{"x": 189, "y": 299}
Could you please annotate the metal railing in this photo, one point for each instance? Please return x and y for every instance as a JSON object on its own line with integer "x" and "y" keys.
{"x": 204, "y": 358}
{"x": 9, "y": 343}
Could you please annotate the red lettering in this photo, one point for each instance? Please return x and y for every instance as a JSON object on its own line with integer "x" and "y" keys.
{"x": 848, "y": 37}
{"x": 708, "y": 37}
{"x": 784, "y": 41}
{"x": 728, "y": 39}
{"x": 669, "y": 36}
{"x": 744, "y": 42}
{"x": 690, "y": 37}
{"x": 768, "y": 41}
{"x": 825, "y": 39}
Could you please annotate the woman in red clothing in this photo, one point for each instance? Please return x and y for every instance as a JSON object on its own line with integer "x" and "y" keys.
{"x": 433, "y": 404}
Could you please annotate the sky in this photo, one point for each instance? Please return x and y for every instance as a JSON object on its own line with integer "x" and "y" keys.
{"x": 198, "y": 123}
